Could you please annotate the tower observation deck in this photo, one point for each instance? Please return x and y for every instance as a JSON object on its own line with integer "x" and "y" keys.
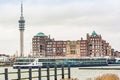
{"x": 21, "y": 29}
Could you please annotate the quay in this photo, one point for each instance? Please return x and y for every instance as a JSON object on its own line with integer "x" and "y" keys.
{"x": 4, "y": 64}
{"x": 63, "y": 72}
{"x": 99, "y": 68}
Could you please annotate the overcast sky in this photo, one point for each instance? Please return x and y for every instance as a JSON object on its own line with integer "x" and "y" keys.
{"x": 62, "y": 19}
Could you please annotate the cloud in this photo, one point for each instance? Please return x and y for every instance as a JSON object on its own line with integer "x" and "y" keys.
{"x": 74, "y": 13}
{"x": 62, "y": 19}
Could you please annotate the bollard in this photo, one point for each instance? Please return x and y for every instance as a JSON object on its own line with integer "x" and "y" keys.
{"x": 62, "y": 71}
{"x": 6, "y": 74}
{"x": 30, "y": 73}
{"x": 39, "y": 73}
{"x": 69, "y": 73}
{"x": 48, "y": 74}
{"x": 55, "y": 74}
{"x": 19, "y": 74}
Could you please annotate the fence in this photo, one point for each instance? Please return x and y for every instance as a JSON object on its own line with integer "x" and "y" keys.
{"x": 39, "y": 71}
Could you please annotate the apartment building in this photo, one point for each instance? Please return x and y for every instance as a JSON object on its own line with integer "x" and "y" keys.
{"x": 93, "y": 46}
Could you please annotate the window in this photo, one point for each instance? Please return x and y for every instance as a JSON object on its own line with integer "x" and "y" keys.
{"x": 72, "y": 51}
{"x": 54, "y": 45}
{"x": 64, "y": 50}
{"x": 54, "y": 49}
{"x": 49, "y": 42}
{"x": 64, "y": 42}
{"x": 49, "y": 46}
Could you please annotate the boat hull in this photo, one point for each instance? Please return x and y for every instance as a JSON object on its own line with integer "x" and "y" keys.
{"x": 58, "y": 66}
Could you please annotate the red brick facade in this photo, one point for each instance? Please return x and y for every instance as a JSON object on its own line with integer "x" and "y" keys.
{"x": 94, "y": 46}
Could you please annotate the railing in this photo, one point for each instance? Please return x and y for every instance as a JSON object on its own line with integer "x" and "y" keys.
{"x": 39, "y": 71}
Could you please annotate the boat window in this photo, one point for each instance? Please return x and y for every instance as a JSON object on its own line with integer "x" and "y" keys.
{"x": 24, "y": 60}
{"x": 118, "y": 60}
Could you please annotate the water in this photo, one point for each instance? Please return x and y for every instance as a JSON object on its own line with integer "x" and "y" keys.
{"x": 75, "y": 73}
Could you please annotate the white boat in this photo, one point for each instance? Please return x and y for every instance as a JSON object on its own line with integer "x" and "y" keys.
{"x": 51, "y": 62}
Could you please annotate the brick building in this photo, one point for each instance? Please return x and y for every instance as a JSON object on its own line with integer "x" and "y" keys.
{"x": 73, "y": 48}
{"x": 93, "y": 45}
{"x": 55, "y": 48}
{"x": 97, "y": 46}
{"x": 39, "y": 44}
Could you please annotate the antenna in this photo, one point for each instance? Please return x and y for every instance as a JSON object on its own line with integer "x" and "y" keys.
{"x": 21, "y": 8}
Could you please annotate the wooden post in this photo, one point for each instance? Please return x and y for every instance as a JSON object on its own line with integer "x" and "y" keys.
{"x": 48, "y": 74}
{"x": 6, "y": 74}
{"x": 69, "y": 73}
{"x": 19, "y": 74}
{"x": 30, "y": 73}
{"x": 39, "y": 73}
{"x": 62, "y": 71}
{"x": 55, "y": 74}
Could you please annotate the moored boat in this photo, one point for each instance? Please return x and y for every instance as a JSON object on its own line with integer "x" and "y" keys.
{"x": 114, "y": 61}
{"x": 51, "y": 62}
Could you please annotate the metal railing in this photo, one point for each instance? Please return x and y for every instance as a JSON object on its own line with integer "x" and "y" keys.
{"x": 39, "y": 71}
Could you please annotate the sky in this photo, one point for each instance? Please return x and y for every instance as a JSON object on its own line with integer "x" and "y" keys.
{"x": 62, "y": 19}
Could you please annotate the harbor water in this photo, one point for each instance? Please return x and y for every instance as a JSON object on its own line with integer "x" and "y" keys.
{"x": 81, "y": 74}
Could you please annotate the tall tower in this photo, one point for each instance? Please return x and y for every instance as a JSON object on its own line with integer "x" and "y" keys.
{"x": 21, "y": 28}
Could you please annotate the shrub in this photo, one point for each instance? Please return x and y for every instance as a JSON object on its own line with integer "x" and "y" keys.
{"x": 108, "y": 77}
{"x": 70, "y": 79}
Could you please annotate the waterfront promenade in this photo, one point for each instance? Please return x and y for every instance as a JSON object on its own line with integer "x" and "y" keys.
{"x": 33, "y": 74}
{"x": 80, "y": 74}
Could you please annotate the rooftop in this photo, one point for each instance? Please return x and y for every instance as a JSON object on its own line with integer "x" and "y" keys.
{"x": 40, "y": 34}
{"x": 94, "y": 33}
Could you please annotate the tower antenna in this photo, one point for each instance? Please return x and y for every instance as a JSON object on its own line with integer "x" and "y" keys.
{"x": 21, "y": 8}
